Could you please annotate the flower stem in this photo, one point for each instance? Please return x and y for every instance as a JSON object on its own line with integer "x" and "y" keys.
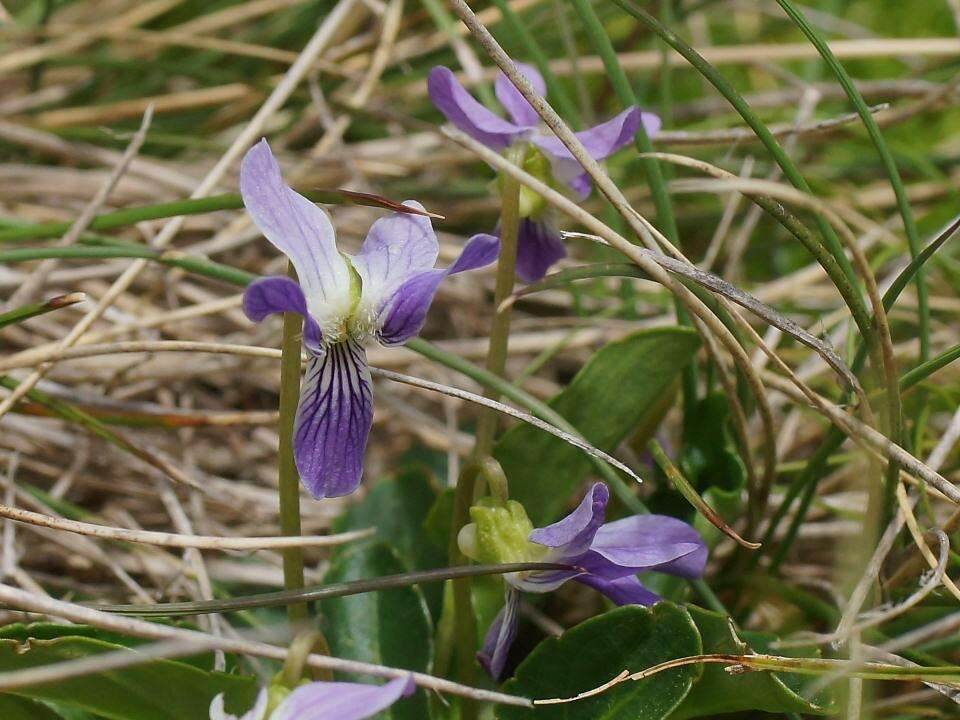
{"x": 289, "y": 479}
{"x": 464, "y": 622}
{"x": 500, "y": 327}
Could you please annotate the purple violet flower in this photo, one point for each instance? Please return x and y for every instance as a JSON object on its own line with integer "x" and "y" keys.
{"x": 538, "y": 244}
{"x": 323, "y": 701}
{"x": 607, "y": 557}
{"x": 382, "y": 294}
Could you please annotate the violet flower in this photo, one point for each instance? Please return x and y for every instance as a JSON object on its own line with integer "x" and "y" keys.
{"x": 380, "y": 294}
{"x": 323, "y": 701}
{"x": 538, "y": 243}
{"x": 607, "y": 557}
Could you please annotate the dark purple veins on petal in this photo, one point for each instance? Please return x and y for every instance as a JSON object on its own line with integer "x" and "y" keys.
{"x": 333, "y": 420}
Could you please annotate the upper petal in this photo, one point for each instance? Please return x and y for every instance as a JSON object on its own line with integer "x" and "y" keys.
{"x": 500, "y": 635}
{"x": 402, "y": 314}
{"x": 461, "y": 109}
{"x": 341, "y": 700}
{"x": 516, "y": 104}
{"x": 333, "y": 420}
{"x": 652, "y": 542}
{"x": 573, "y": 535}
{"x": 538, "y": 247}
{"x": 298, "y": 228}
{"x": 279, "y": 294}
{"x": 397, "y": 247}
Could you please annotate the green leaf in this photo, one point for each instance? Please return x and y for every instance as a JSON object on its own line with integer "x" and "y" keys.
{"x": 17, "y": 708}
{"x": 629, "y": 638}
{"x": 398, "y": 509}
{"x": 134, "y": 693}
{"x": 718, "y": 692}
{"x": 605, "y": 401}
{"x": 709, "y": 458}
{"x": 389, "y": 628}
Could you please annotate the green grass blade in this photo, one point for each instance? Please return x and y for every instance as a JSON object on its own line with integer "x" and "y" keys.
{"x": 33, "y": 309}
{"x": 889, "y": 164}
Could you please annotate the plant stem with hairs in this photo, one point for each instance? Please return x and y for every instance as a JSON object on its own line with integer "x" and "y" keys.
{"x": 289, "y": 479}
{"x": 464, "y": 621}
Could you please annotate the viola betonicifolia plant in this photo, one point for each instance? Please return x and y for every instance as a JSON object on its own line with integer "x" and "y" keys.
{"x": 542, "y": 154}
{"x": 604, "y": 556}
{"x": 381, "y": 294}
{"x": 320, "y": 701}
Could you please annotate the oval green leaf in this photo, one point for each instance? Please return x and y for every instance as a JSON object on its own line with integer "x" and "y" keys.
{"x": 629, "y": 638}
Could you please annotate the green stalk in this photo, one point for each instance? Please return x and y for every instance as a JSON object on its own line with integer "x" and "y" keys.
{"x": 889, "y": 164}
{"x": 832, "y": 246}
{"x": 658, "y": 186}
{"x": 24, "y": 312}
{"x": 500, "y": 327}
{"x": 101, "y": 251}
{"x": 921, "y": 372}
{"x": 131, "y": 216}
{"x": 913, "y": 238}
{"x": 464, "y": 621}
{"x": 806, "y": 482}
{"x": 289, "y": 480}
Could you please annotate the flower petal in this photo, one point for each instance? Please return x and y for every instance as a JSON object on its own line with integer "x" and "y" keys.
{"x": 573, "y": 535}
{"x": 481, "y": 250}
{"x": 651, "y": 542}
{"x": 600, "y": 142}
{"x": 342, "y": 700}
{"x": 402, "y": 314}
{"x": 542, "y": 581}
{"x": 295, "y": 226}
{"x": 279, "y": 294}
{"x": 538, "y": 247}
{"x": 626, "y": 590}
{"x": 397, "y": 246}
{"x": 500, "y": 635}
{"x": 516, "y": 104}
{"x": 257, "y": 712}
{"x": 461, "y": 109}
{"x": 333, "y": 420}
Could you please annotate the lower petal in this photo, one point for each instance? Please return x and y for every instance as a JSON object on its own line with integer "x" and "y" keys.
{"x": 500, "y": 636}
{"x": 333, "y": 421}
{"x": 652, "y": 542}
{"x": 341, "y": 700}
{"x": 623, "y": 591}
{"x": 279, "y": 294}
{"x": 538, "y": 247}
